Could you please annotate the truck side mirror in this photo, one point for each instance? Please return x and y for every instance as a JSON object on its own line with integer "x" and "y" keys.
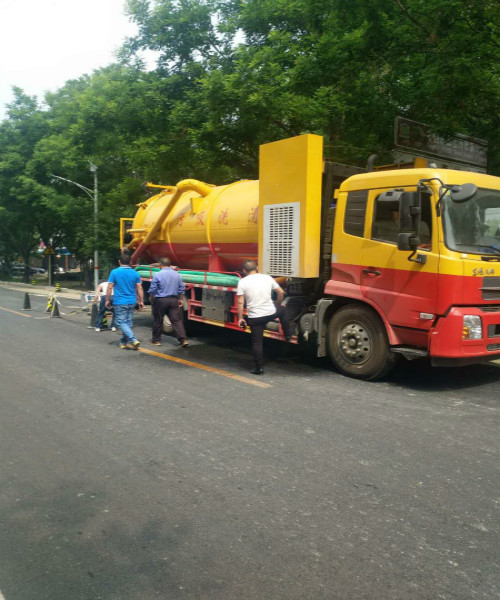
{"x": 409, "y": 212}
{"x": 408, "y": 241}
{"x": 409, "y": 206}
{"x": 462, "y": 193}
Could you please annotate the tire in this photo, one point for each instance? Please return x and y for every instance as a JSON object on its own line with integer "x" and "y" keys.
{"x": 358, "y": 344}
{"x": 188, "y": 324}
{"x": 167, "y": 325}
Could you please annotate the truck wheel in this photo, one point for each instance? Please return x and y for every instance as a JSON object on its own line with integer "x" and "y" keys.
{"x": 188, "y": 324}
{"x": 358, "y": 344}
{"x": 167, "y": 325}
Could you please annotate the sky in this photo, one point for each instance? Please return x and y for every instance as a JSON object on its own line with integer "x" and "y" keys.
{"x": 44, "y": 43}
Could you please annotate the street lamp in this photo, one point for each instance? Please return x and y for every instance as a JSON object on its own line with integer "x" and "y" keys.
{"x": 94, "y": 196}
{"x": 93, "y": 169}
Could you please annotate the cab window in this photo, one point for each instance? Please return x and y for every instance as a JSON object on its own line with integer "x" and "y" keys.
{"x": 386, "y": 222}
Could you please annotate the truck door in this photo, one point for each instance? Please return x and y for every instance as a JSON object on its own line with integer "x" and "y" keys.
{"x": 347, "y": 241}
{"x": 404, "y": 291}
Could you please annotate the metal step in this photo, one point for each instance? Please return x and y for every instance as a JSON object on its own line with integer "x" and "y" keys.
{"x": 410, "y": 353}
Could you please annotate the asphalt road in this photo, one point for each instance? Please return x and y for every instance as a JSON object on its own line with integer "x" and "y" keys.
{"x": 129, "y": 476}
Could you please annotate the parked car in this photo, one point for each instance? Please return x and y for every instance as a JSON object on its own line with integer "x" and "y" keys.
{"x": 18, "y": 270}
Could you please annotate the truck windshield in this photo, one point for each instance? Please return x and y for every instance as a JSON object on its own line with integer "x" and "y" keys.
{"x": 473, "y": 226}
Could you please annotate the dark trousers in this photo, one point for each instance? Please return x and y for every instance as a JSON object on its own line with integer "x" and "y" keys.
{"x": 170, "y": 307}
{"x": 257, "y": 326}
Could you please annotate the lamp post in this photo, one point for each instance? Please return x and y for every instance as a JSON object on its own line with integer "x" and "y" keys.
{"x": 94, "y": 196}
{"x": 93, "y": 169}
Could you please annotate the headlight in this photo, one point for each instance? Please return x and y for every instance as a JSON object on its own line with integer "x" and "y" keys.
{"x": 472, "y": 328}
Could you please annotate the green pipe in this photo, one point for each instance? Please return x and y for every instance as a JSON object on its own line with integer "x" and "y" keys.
{"x": 209, "y": 273}
{"x": 147, "y": 268}
{"x": 220, "y": 279}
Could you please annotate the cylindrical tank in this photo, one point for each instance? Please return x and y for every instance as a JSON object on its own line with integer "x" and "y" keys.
{"x": 199, "y": 232}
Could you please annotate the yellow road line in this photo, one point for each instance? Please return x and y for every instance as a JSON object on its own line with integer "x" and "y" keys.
{"x": 16, "y": 313}
{"x": 189, "y": 363}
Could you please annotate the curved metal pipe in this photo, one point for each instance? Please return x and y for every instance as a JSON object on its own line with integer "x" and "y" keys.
{"x": 186, "y": 185}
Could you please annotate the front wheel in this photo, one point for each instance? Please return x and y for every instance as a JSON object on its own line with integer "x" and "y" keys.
{"x": 358, "y": 344}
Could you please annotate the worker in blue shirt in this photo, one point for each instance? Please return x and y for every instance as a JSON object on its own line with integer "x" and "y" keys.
{"x": 167, "y": 293}
{"x": 127, "y": 287}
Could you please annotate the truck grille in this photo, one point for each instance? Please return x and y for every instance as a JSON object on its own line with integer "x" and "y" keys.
{"x": 493, "y": 331}
{"x": 490, "y": 309}
{"x": 491, "y": 288}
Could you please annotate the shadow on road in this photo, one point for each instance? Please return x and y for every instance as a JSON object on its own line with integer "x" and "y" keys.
{"x": 420, "y": 375}
{"x": 295, "y": 361}
{"x": 416, "y": 375}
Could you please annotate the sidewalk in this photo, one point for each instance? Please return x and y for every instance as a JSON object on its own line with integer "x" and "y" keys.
{"x": 72, "y": 303}
{"x": 43, "y": 289}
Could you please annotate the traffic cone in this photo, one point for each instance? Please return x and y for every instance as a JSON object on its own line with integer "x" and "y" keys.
{"x": 27, "y": 303}
{"x": 55, "y": 310}
{"x": 93, "y": 315}
{"x": 49, "y": 303}
{"x": 58, "y": 287}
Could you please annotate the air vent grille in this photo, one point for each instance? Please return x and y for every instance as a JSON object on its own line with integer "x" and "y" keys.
{"x": 491, "y": 288}
{"x": 494, "y": 308}
{"x": 281, "y": 239}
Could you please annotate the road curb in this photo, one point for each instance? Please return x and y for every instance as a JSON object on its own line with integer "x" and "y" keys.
{"x": 25, "y": 287}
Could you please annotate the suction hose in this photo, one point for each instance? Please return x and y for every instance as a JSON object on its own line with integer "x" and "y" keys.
{"x": 186, "y": 185}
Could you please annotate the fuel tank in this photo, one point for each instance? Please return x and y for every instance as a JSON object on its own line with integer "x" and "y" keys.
{"x": 213, "y": 230}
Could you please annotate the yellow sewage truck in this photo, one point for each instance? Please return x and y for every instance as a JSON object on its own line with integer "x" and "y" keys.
{"x": 376, "y": 265}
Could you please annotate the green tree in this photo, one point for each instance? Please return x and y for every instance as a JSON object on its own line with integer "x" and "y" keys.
{"x": 105, "y": 117}
{"x": 25, "y": 215}
{"x": 232, "y": 75}
{"x": 341, "y": 68}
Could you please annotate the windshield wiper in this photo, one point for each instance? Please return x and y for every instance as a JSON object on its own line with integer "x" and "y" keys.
{"x": 494, "y": 248}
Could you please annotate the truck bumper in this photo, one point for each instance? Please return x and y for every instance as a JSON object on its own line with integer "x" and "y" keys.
{"x": 447, "y": 348}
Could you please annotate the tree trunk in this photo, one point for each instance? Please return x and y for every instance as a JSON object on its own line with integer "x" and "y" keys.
{"x": 26, "y": 258}
{"x": 86, "y": 273}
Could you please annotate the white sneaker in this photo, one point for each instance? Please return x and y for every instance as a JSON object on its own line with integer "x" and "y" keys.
{"x": 97, "y": 329}
{"x": 113, "y": 328}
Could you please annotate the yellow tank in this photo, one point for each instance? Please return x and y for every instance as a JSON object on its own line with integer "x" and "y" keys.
{"x": 199, "y": 226}
{"x": 276, "y": 222}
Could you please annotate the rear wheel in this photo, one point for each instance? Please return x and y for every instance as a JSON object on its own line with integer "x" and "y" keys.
{"x": 167, "y": 325}
{"x": 358, "y": 344}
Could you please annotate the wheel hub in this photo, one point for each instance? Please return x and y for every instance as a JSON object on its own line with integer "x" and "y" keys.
{"x": 355, "y": 343}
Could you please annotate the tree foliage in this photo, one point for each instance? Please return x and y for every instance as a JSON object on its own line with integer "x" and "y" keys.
{"x": 231, "y": 75}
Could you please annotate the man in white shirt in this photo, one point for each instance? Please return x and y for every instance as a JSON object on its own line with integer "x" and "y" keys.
{"x": 256, "y": 289}
{"x": 100, "y": 296}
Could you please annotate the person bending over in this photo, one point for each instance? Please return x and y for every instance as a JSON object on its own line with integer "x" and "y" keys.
{"x": 100, "y": 297}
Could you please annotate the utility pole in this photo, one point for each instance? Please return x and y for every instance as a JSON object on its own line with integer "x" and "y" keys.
{"x": 95, "y": 197}
{"x": 93, "y": 169}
